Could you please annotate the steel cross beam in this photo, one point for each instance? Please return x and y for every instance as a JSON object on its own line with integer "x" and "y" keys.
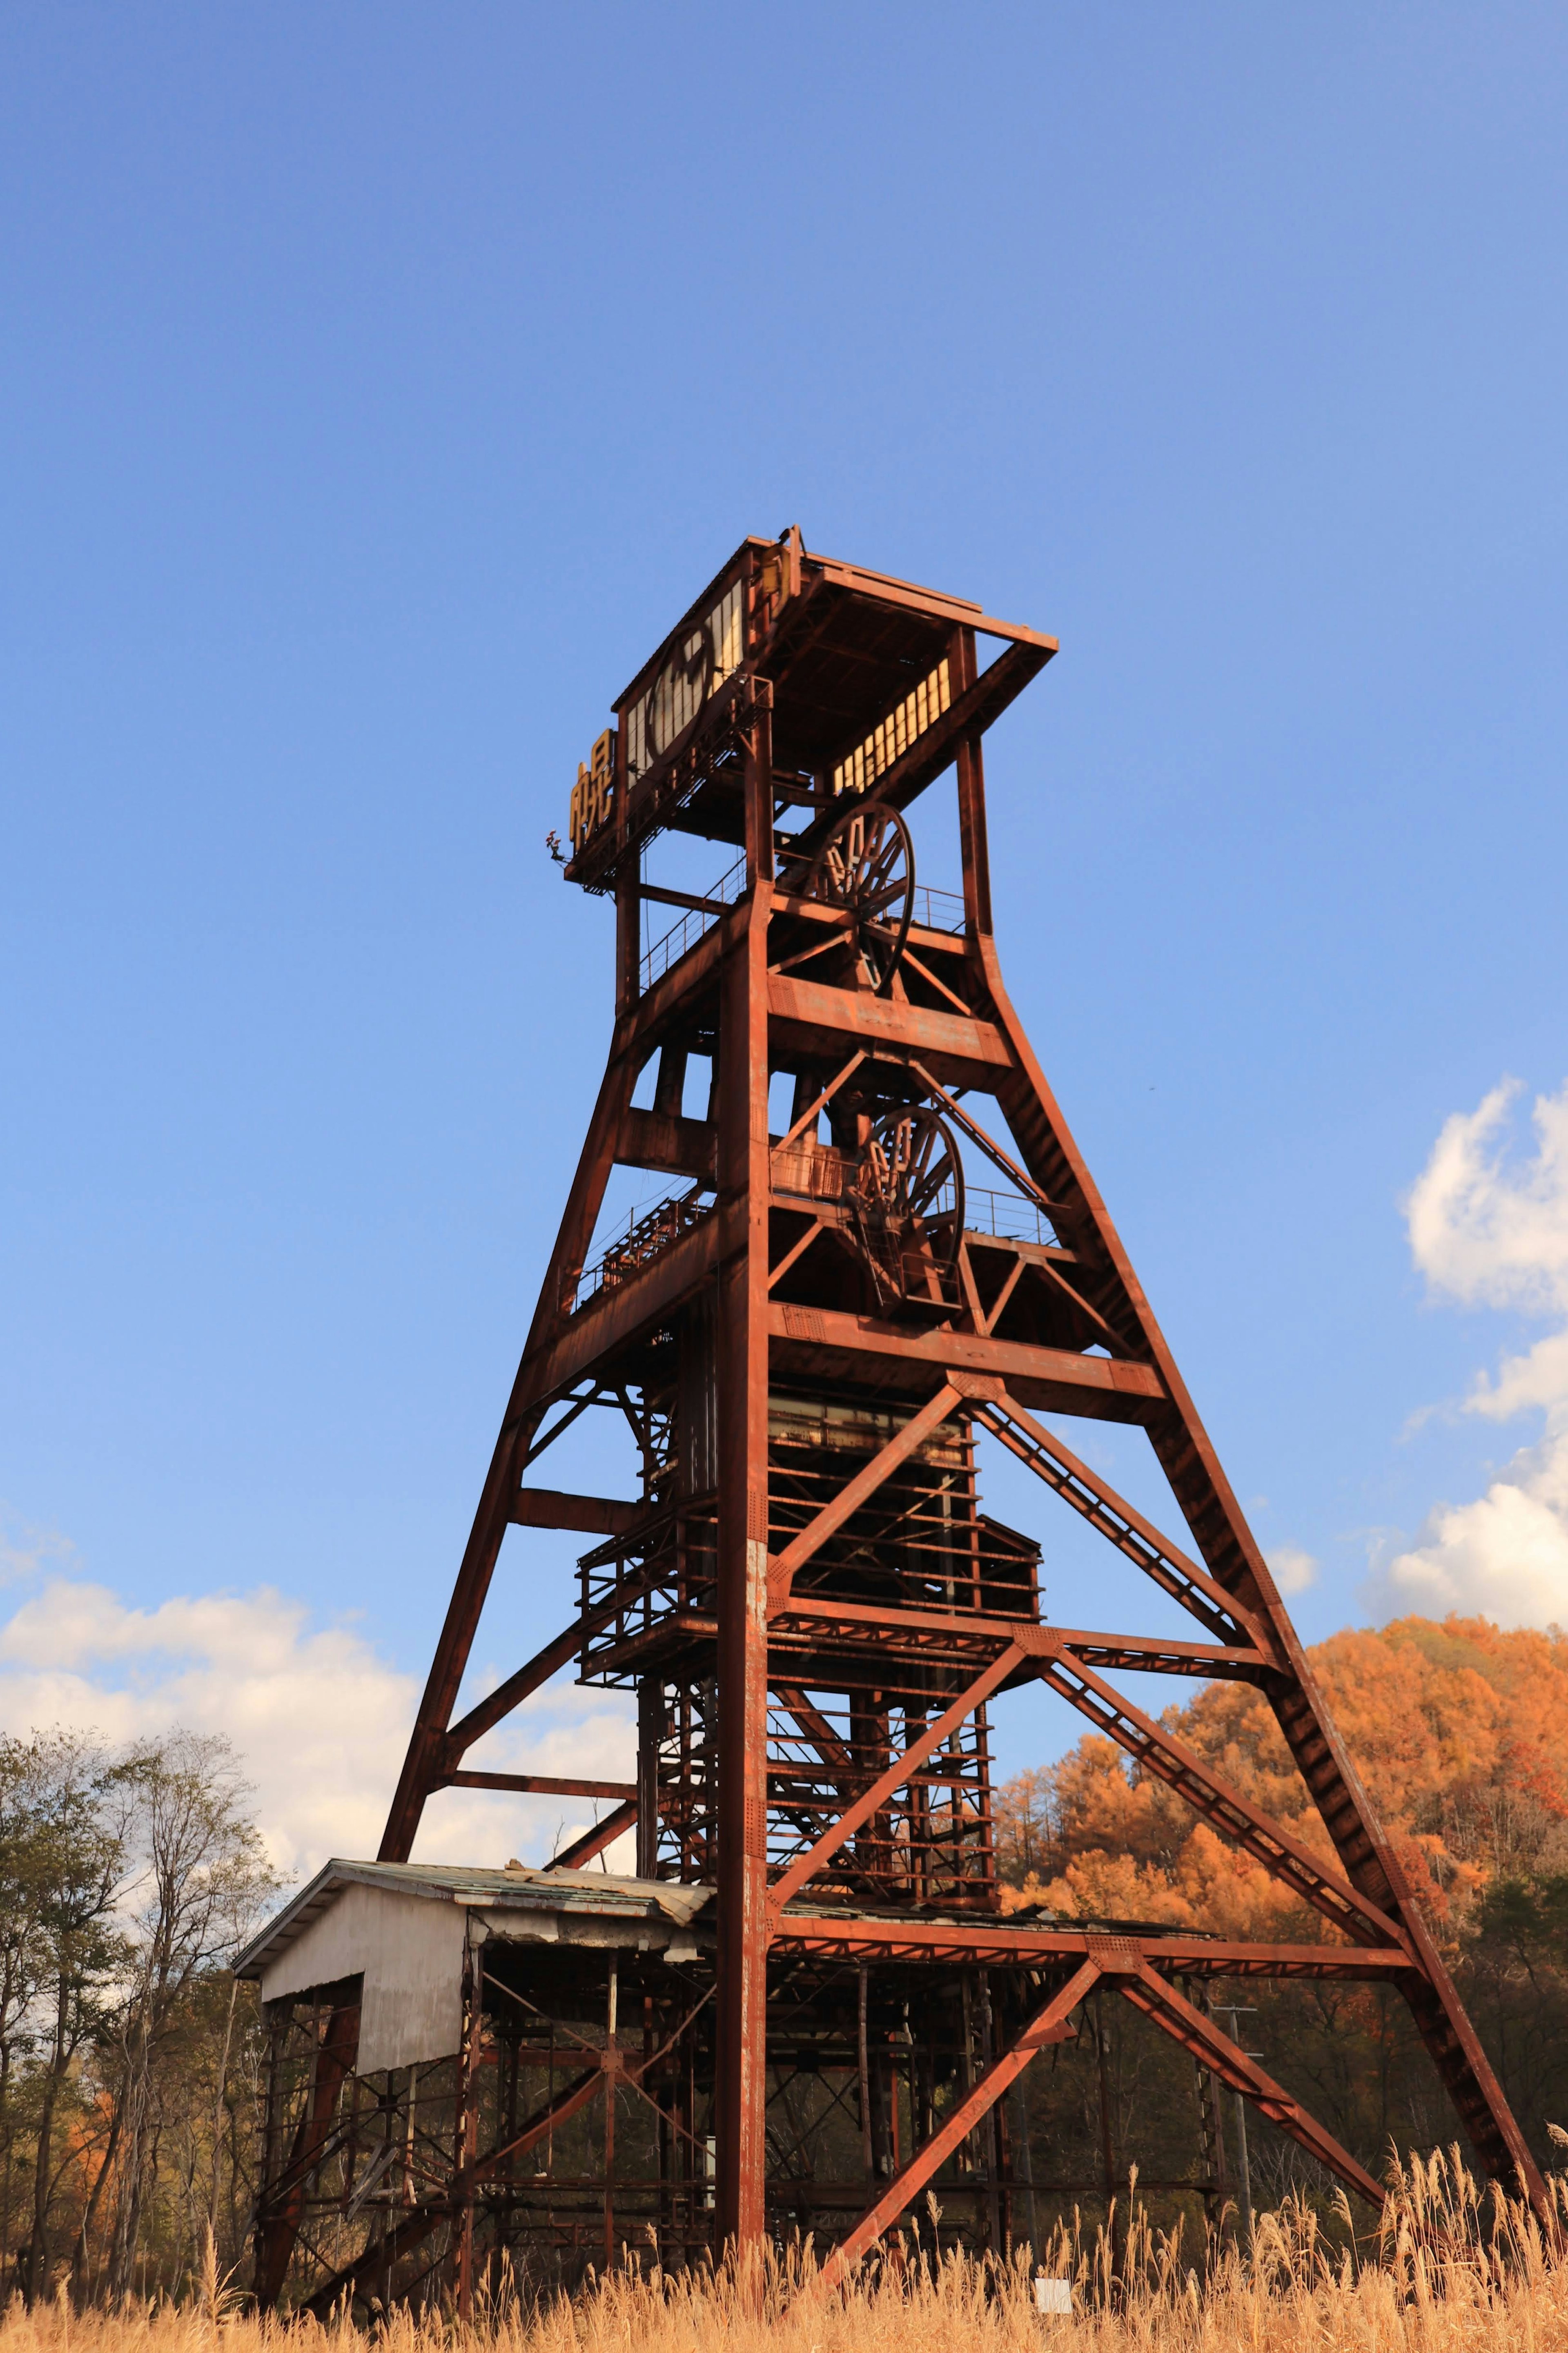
{"x": 542, "y": 1784}
{"x": 856, "y": 1491}
{"x": 1002, "y": 1942}
{"x": 1190, "y": 2027}
{"x": 1048, "y": 2025}
{"x": 896, "y": 1774}
{"x": 1117, "y": 1963}
{"x": 1098, "y": 1502}
{"x": 1147, "y": 1654}
{"x": 1236, "y": 1818}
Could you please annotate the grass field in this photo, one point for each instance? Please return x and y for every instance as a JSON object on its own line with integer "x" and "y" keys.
{"x": 1450, "y": 2274}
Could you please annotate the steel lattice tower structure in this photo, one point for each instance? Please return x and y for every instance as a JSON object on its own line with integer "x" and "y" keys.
{"x": 811, "y": 1339}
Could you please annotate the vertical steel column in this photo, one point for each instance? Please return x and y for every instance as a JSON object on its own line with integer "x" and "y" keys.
{"x": 650, "y": 1733}
{"x": 1211, "y": 2122}
{"x": 628, "y": 937}
{"x": 990, "y": 2135}
{"x": 279, "y": 2016}
{"x": 742, "y": 1355}
{"x": 612, "y": 2069}
{"x": 863, "y": 2051}
{"x": 465, "y": 2127}
{"x": 1107, "y": 2143}
{"x": 976, "y": 852}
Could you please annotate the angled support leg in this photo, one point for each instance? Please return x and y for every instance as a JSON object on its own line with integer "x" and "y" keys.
{"x": 1196, "y": 2032}
{"x": 1048, "y": 2025}
{"x": 850, "y": 1498}
{"x": 1164, "y": 1563}
{"x": 1235, "y": 1818}
{"x": 1231, "y": 1554}
{"x": 594, "y": 1842}
{"x": 896, "y": 1774}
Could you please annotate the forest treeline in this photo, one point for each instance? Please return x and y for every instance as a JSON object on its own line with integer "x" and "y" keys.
{"x": 127, "y": 2052}
{"x": 131, "y": 2059}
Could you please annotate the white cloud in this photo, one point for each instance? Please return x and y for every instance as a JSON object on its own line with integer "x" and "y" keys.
{"x": 1487, "y": 1233}
{"x": 1539, "y": 1378}
{"x": 25, "y": 1551}
{"x": 318, "y": 1717}
{"x": 1504, "y": 1556}
{"x": 1488, "y": 1230}
{"x": 1293, "y": 1570}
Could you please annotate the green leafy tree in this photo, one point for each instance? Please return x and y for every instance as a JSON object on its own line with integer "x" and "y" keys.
{"x": 24, "y": 1885}
{"x": 65, "y": 1852}
{"x": 199, "y": 1878}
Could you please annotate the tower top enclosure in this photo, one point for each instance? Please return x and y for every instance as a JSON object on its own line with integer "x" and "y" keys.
{"x": 859, "y": 672}
{"x": 810, "y": 1344}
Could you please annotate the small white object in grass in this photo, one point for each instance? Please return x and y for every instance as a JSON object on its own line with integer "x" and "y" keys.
{"x": 1052, "y": 2294}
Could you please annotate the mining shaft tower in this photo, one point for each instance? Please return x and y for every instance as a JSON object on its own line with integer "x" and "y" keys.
{"x": 809, "y": 1343}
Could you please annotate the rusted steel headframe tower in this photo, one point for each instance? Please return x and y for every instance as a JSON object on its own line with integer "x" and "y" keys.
{"x": 811, "y": 1337}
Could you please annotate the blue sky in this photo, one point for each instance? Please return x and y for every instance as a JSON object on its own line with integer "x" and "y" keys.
{"x": 381, "y": 383}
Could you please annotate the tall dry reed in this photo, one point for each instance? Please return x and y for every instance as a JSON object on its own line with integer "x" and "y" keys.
{"x": 1452, "y": 2271}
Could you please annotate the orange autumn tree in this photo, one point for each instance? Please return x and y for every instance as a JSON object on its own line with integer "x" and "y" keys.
{"x": 1459, "y": 1731}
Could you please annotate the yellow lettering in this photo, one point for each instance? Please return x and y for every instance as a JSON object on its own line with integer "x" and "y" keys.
{"x": 593, "y": 793}
{"x": 603, "y": 757}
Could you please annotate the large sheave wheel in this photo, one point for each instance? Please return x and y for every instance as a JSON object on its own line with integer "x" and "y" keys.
{"x": 866, "y": 866}
{"x": 910, "y": 1199}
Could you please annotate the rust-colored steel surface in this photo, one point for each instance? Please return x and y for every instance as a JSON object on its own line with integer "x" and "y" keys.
{"x": 810, "y": 1342}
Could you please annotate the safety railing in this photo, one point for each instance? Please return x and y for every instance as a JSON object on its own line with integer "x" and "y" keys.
{"x": 932, "y": 911}
{"x": 1008, "y": 1217}
{"x": 671, "y": 945}
{"x": 644, "y": 1239}
{"x": 630, "y": 1585}
{"x": 936, "y": 911}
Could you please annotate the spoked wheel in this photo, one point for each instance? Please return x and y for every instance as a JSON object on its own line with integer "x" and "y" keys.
{"x": 910, "y": 1199}
{"x": 867, "y": 867}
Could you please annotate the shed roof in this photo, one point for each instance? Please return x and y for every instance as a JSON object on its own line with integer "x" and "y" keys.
{"x": 598, "y": 1893}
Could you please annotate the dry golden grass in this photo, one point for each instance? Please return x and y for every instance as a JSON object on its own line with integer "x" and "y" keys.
{"x": 1450, "y": 2275}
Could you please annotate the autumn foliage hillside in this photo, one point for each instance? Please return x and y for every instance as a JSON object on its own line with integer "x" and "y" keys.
{"x": 1460, "y": 1734}
{"x": 1458, "y": 1730}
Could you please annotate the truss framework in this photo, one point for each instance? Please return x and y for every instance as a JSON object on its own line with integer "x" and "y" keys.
{"x": 812, "y": 1605}
{"x": 577, "y": 2115}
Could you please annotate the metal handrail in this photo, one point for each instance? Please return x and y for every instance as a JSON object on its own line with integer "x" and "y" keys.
{"x": 691, "y": 927}
{"x": 1009, "y": 1217}
{"x": 944, "y": 909}
{"x": 934, "y": 911}
{"x": 646, "y": 1238}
